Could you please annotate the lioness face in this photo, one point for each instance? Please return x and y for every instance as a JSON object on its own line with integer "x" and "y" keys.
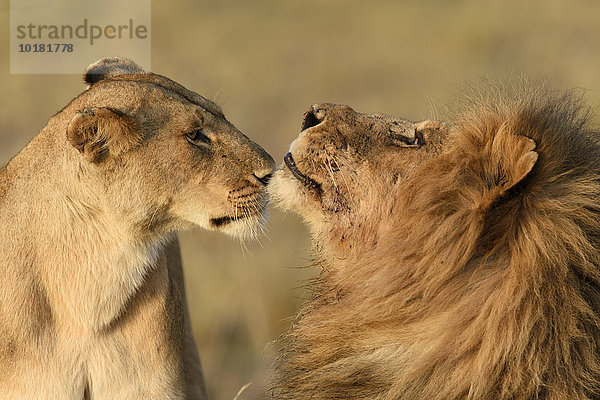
{"x": 345, "y": 163}
{"x": 184, "y": 163}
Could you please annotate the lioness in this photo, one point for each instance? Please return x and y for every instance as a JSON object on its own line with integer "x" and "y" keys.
{"x": 91, "y": 303}
{"x": 459, "y": 260}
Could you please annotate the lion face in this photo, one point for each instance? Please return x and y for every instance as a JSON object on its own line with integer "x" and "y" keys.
{"x": 343, "y": 161}
{"x": 183, "y": 162}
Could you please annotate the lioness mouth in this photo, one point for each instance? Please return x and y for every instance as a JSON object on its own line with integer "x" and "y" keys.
{"x": 218, "y": 222}
{"x": 291, "y": 164}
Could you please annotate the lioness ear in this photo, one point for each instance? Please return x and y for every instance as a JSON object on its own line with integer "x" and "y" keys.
{"x": 510, "y": 159}
{"x": 110, "y": 66}
{"x": 98, "y": 132}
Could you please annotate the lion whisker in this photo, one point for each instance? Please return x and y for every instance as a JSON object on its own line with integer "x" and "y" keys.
{"x": 329, "y": 169}
{"x": 342, "y": 173}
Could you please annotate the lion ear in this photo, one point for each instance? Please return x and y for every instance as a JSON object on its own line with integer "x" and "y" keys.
{"x": 110, "y": 66}
{"x": 100, "y": 132}
{"x": 510, "y": 159}
{"x": 524, "y": 160}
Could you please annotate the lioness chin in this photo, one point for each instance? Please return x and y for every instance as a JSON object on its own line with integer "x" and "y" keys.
{"x": 92, "y": 304}
{"x": 459, "y": 260}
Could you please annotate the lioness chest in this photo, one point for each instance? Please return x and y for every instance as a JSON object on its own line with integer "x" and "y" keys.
{"x": 63, "y": 360}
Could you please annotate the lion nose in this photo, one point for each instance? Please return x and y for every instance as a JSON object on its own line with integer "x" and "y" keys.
{"x": 313, "y": 117}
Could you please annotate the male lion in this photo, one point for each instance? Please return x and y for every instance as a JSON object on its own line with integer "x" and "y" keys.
{"x": 459, "y": 261}
{"x": 91, "y": 305}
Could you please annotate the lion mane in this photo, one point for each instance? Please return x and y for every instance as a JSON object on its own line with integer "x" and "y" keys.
{"x": 482, "y": 279}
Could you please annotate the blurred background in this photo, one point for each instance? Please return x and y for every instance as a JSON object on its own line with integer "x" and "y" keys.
{"x": 265, "y": 62}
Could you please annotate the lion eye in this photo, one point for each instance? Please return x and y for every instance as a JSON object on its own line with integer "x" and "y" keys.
{"x": 197, "y": 138}
{"x": 403, "y": 141}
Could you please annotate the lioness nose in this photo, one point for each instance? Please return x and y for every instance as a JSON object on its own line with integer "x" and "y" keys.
{"x": 313, "y": 117}
{"x": 263, "y": 177}
{"x": 264, "y": 168}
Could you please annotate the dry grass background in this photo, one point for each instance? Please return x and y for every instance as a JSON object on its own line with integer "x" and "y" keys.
{"x": 265, "y": 62}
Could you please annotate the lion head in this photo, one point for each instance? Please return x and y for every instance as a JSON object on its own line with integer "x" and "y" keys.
{"x": 342, "y": 162}
{"x": 459, "y": 260}
{"x": 183, "y": 162}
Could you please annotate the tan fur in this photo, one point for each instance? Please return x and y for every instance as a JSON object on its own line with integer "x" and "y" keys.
{"x": 467, "y": 268}
{"x": 91, "y": 303}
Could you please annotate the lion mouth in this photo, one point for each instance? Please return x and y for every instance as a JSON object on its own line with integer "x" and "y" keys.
{"x": 305, "y": 180}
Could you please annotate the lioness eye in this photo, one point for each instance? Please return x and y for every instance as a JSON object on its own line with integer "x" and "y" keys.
{"x": 197, "y": 138}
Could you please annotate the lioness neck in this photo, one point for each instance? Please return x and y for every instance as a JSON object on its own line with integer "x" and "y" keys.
{"x": 84, "y": 257}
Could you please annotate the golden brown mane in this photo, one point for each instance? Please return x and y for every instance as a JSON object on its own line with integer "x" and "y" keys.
{"x": 483, "y": 283}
